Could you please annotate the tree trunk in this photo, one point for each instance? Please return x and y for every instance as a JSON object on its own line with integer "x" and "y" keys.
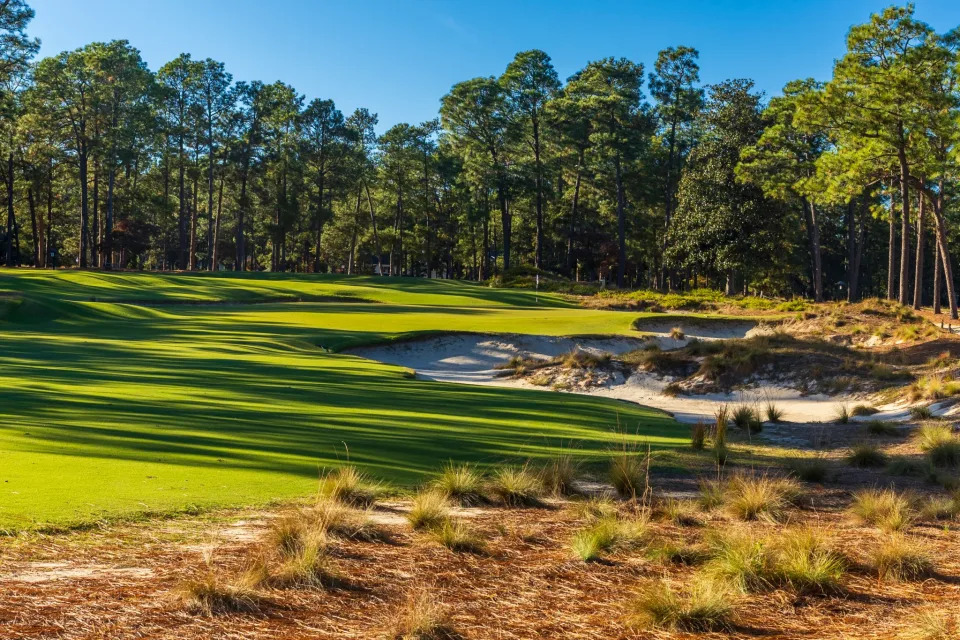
{"x": 813, "y": 234}
{"x": 506, "y": 221}
{"x": 621, "y": 226}
{"x": 937, "y": 261}
{"x": 538, "y": 257}
{"x": 945, "y": 252}
{"x": 34, "y": 228}
{"x": 108, "y": 222}
{"x": 918, "y": 274}
{"x": 214, "y": 251}
{"x": 892, "y": 249}
{"x": 904, "y": 226}
{"x": 182, "y": 219}
{"x": 376, "y": 234}
{"x": 241, "y": 249}
{"x": 11, "y": 220}
{"x": 573, "y": 214}
{"x": 84, "y": 204}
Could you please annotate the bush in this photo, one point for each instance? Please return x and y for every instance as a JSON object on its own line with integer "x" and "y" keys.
{"x": 677, "y": 333}
{"x": 307, "y": 565}
{"x": 712, "y": 494}
{"x": 865, "y": 455}
{"x": 921, "y": 413}
{"x": 863, "y": 410}
{"x": 940, "y": 508}
{"x": 739, "y": 559}
{"x": 429, "y": 510}
{"x": 516, "y": 486}
{"x": 461, "y": 483}
{"x": 904, "y": 466}
{"x": 940, "y": 443}
{"x": 898, "y": 558}
{"x": 707, "y": 606}
{"x": 682, "y": 512}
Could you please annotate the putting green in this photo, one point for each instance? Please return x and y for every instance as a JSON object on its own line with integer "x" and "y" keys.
{"x": 117, "y": 398}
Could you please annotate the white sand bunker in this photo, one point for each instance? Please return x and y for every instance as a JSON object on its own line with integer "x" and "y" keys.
{"x": 474, "y": 358}
{"x": 663, "y": 330}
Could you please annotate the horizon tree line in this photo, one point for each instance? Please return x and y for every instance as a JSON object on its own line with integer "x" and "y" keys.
{"x": 834, "y": 189}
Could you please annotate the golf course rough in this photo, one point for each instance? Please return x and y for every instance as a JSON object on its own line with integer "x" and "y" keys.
{"x": 129, "y": 394}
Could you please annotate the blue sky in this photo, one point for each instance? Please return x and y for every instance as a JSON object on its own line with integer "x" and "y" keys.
{"x": 398, "y": 58}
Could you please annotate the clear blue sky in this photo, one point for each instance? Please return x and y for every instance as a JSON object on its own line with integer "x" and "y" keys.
{"x": 398, "y": 58}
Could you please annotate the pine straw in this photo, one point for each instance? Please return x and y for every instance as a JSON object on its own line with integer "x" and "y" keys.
{"x": 523, "y": 589}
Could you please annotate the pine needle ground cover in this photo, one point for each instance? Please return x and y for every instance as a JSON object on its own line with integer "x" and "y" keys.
{"x": 129, "y": 394}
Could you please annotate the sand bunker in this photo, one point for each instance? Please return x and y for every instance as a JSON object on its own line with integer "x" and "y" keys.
{"x": 474, "y": 359}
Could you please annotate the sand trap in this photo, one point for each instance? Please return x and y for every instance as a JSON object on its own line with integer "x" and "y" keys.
{"x": 474, "y": 358}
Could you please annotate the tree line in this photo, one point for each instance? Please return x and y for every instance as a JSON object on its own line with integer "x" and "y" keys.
{"x": 644, "y": 178}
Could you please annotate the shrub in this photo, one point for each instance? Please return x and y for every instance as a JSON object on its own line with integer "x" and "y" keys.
{"x": 866, "y": 455}
{"x": 421, "y": 617}
{"x": 461, "y": 483}
{"x": 698, "y": 435}
{"x": 429, "y": 510}
{"x": 707, "y": 606}
{"x": 882, "y": 507}
{"x": 672, "y": 390}
{"x": 628, "y": 474}
{"x": 773, "y": 412}
{"x": 882, "y": 428}
{"x": 677, "y": 333}
{"x": 350, "y": 486}
{"x": 754, "y": 497}
{"x": 516, "y": 486}
{"x": 720, "y": 454}
{"x": 559, "y": 476}
{"x": 921, "y": 413}
{"x": 457, "y": 536}
{"x": 901, "y": 559}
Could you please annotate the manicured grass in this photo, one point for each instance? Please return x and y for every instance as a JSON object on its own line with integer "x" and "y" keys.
{"x": 115, "y": 409}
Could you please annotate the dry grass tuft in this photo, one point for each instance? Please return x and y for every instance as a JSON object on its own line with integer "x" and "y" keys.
{"x": 428, "y": 511}
{"x": 883, "y": 508}
{"x": 516, "y": 486}
{"x": 706, "y": 606}
{"x": 898, "y": 558}
{"x": 866, "y": 455}
{"x": 462, "y": 484}
{"x": 349, "y": 486}
{"x": 681, "y": 512}
{"x": 456, "y": 535}
{"x": 762, "y": 496}
{"x": 212, "y": 594}
{"x": 933, "y": 625}
{"x": 628, "y": 474}
{"x": 608, "y": 534}
{"x": 559, "y": 476}
{"x": 421, "y": 617}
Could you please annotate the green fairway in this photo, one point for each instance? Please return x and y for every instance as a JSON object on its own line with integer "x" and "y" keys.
{"x": 116, "y": 398}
